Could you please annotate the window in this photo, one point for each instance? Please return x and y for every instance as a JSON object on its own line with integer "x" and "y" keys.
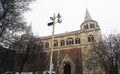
{"x": 55, "y": 43}
{"x": 41, "y": 44}
{"x": 77, "y": 41}
{"x": 62, "y": 42}
{"x": 46, "y": 45}
{"x": 69, "y": 41}
{"x": 91, "y": 25}
{"x": 86, "y": 26}
{"x": 90, "y": 38}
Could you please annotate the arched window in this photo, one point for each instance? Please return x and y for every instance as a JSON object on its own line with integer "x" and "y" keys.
{"x": 90, "y": 38}
{"x": 41, "y": 44}
{"x": 55, "y": 43}
{"x": 62, "y": 42}
{"x": 46, "y": 45}
{"x": 86, "y": 26}
{"x": 77, "y": 41}
{"x": 91, "y": 25}
{"x": 69, "y": 41}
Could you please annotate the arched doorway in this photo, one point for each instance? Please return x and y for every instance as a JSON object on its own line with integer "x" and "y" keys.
{"x": 67, "y": 69}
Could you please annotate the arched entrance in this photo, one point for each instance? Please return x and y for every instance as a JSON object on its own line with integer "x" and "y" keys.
{"x": 67, "y": 69}
{"x": 67, "y": 66}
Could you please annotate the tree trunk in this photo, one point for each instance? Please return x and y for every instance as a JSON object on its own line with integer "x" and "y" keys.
{"x": 116, "y": 69}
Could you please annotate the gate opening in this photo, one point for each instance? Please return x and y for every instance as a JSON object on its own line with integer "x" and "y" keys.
{"x": 67, "y": 69}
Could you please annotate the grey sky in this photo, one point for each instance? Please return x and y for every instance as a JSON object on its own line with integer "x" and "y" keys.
{"x": 105, "y": 12}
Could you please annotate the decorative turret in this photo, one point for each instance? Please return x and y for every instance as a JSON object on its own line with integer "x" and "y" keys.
{"x": 89, "y": 23}
{"x": 28, "y": 35}
{"x": 29, "y": 30}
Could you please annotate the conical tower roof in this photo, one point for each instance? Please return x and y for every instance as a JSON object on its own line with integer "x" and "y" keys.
{"x": 87, "y": 16}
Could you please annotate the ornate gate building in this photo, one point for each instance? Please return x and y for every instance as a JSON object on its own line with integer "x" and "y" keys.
{"x": 69, "y": 47}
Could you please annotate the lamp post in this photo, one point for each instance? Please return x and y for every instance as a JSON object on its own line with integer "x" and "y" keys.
{"x": 55, "y": 19}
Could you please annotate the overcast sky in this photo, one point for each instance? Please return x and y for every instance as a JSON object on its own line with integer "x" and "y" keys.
{"x": 105, "y": 12}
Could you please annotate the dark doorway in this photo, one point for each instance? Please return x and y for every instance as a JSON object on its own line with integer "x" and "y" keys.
{"x": 67, "y": 69}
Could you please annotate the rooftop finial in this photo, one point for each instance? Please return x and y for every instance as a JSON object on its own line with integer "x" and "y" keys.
{"x": 87, "y": 16}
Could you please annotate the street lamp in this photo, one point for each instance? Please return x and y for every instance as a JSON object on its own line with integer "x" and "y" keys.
{"x": 55, "y": 19}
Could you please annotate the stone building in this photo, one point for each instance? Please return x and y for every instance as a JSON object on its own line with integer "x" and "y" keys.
{"x": 69, "y": 47}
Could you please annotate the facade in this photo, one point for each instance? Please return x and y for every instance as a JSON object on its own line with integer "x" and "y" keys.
{"x": 70, "y": 47}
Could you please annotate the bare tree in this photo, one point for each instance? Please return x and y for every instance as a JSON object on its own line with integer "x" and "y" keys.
{"x": 24, "y": 59}
{"x": 6, "y": 60}
{"x": 106, "y": 54}
{"x": 11, "y": 20}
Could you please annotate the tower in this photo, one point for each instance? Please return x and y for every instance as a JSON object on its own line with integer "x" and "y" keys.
{"x": 90, "y": 29}
{"x": 26, "y": 38}
{"x": 29, "y": 30}
{"x": 90, "y": 32}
